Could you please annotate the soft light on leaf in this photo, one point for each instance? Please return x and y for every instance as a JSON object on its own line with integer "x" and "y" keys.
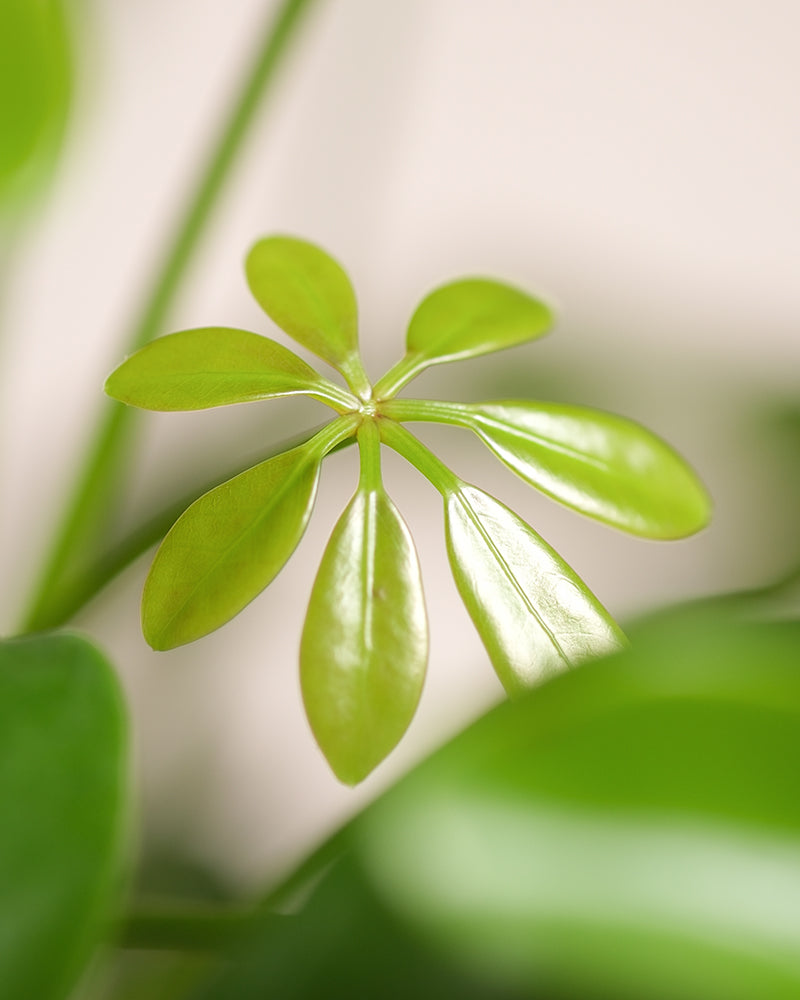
{"x": 600, "y": 464}
{"x": 365, "y": 642}
{"x": 213, "y": 366}
{"x": 474, "y": 316}
{"x": 309, "y": 296}
{"x": 533, "y": 613}
{"x": 63, "y": 785}
{"x": 227, "y": 547}
{"x": 630, "y": 829}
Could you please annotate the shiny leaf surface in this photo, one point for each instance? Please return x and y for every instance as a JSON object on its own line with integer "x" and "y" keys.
{"x": 309, "y": 296}
{"x": 600, "y": 464}
{"x": 533, "y": 613}
{"x": 471, "y": 317}
{"x": 365, "y": 641}
{"x": 630, "y": 829}
{"x": 214, "y": 366}
{"x": 227, "y": 547}
{"x": 63, "y": 785}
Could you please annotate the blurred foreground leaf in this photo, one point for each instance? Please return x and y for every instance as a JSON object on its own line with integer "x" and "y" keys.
{"x": 34, "y": 93}
{"x": 629, "y": 829}
{"x": 62, "y": 802}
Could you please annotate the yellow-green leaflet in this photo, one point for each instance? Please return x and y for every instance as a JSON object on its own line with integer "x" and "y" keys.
{"x": 309, "y": 296}
{"x": 533, "y": 613}
{"x": 214, "y": 366}
{"x": 227, "y": 546}
{"x": 365, "y": 641}
{"x": 600, "y": 464}
{"x": 63, "y": 801}
{"x": 474, "y": 316}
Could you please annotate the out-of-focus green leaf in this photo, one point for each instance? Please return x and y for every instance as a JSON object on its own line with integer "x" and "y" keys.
{"x": 365, "y": 640}
{"x": 63, "y": 785}
{"x": 600, "y": 464}
{"x": 34, "y": 93}
{"x": 214, "y": 366}
{"x": 346, "y": 943}
{"x": 533, "y": 613}
{"x": 309, "y": 296}
{"x": 227, "y": 547}
{"x": 466, "y": 319}
{"x": 630, "y": 829}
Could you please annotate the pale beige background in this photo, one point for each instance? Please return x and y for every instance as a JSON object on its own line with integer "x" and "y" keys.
{"x": 637, "y": 163}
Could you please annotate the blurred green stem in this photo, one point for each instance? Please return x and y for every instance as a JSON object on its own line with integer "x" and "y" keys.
{"x": 87, "y": 513}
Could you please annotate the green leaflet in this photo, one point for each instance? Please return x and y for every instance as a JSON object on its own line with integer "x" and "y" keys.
{"x": 365, "y": 641}
{"x": 464, "y": 320}
{"x": 216, "y": 366}
{"x": 35, "y": 84}
{"x": 231, "y": 543}
{"x": 63, "y": 790}
{"x": 533, "y": 613}
{"x": 630, "y": 830}
{"x": 602, "y": 465}
{"x": 308, "y": 295}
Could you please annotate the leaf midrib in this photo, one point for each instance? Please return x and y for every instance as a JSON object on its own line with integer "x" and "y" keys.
{"x": 473, "y": 517}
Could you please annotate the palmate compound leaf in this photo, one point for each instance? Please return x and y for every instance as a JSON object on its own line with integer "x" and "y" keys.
{"x": 602, "y": 465}
{"x": 232, "y": 542}
{"x": 533, "y": 613}
{"x": 309, "y": 296}
{"x": 364, "y": 649}
{"x": 63, "y": 790}
{"x": 215, "y": 366}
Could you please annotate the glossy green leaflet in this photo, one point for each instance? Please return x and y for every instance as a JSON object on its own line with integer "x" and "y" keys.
{"x": 364, "y": 645}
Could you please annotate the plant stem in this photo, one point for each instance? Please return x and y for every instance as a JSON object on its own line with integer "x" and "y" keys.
{"x": 400, "y": 374}
{"x": 422, "y": 458}
{"x": 428, "y": 409}
{"x": 88, "y": 512}
{"x": 369, "y": 447}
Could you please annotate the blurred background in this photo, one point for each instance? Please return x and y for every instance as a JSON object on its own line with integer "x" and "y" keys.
{"x": 634, "y": 164}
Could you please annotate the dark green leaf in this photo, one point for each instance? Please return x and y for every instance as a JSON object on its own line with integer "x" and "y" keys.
{"x": 309, "y": 296}
{"x": 63, "y": 787}
{"x": 227, "y": 547}
{"x": 631, "y": 829}
{"x": 345, "y": 943}
{"x": 533, "y": 613}
{"x": 214, "y": 366}
{"x": 34, "y": 93}
{"x": 600, "y": 464}
{"x": 365, "y": 642}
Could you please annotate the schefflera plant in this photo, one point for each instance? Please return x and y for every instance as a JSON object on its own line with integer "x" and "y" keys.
{"x": 364, "y": 646}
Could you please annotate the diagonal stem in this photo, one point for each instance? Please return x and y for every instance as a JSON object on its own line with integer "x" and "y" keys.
{"x": 88, "y": 511}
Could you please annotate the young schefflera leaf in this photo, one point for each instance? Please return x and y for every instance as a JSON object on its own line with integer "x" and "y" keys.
{"x": 364, "y": 644}
{"x": 605, "y": 466}
{"x": 466, "y": 319}
{"x": 365, "y": 641}
{"x": 232, "y": 542}
{"x": 532, "y": 612}
{"x": 216, "y": 366}
{"x": 309, "y": 296}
